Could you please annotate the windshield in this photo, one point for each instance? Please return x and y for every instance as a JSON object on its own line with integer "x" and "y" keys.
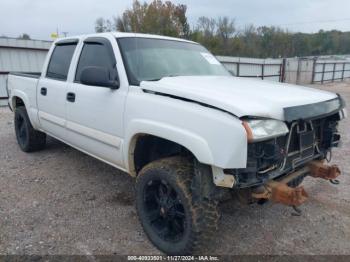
{"x": 149, "y": 59}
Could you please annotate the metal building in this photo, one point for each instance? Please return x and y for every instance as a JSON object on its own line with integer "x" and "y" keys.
{"x": 18, "y": 55}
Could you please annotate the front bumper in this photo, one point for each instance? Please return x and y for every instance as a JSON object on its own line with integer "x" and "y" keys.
{"x": 279, "y": 190}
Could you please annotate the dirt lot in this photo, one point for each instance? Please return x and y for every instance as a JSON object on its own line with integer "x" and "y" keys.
{"x": 61, "y": 201}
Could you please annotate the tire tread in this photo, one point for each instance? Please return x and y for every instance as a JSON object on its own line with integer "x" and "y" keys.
{"x": 205, "y": 215}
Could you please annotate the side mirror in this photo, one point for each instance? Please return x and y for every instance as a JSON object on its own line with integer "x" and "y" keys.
{"x": 97, "y": 76}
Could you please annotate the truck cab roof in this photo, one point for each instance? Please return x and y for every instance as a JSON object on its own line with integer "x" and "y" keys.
{"x": 123, "y": 35}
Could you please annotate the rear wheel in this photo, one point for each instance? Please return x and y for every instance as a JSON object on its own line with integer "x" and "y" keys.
{"x": 28, "y": 138}
{"x": 172, "y": 221}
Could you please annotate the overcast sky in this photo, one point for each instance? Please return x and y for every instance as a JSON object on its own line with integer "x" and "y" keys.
{"x": 39, "y": 18}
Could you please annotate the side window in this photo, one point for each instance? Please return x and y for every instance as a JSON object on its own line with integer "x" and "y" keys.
{"x": 95, "y": 54}
{"x": 60, "y": 61}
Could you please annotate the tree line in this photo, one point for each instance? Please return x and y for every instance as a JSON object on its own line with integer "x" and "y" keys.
{"x": 221, "y": 35}
{"x": 23, "y": 36}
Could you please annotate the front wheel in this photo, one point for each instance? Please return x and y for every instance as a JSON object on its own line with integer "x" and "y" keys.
{"x": 28, "y": 138}
{"x": 172, "y": 221}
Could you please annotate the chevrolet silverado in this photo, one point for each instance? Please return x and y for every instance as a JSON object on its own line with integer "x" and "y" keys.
{"x": 165, "y": 111}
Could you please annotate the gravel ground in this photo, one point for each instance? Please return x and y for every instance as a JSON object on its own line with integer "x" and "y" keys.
{"x": 61, "y": 201}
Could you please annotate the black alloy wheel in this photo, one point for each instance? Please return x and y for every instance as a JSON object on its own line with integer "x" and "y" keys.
{"x": 164, "y": 210}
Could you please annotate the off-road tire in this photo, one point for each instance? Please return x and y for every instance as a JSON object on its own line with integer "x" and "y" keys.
{"x": 201, "y": 218}
{"x": 29, "y": 140}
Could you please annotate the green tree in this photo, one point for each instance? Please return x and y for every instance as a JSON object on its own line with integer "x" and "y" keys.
{"x": 158, "y": 17}
{"x": 104, "y": 25}
{"x": 225, "y": 30}
{"x": 100, "y": 25}
{"x": 24, "y": 36}
{"x": 221, "y": 36}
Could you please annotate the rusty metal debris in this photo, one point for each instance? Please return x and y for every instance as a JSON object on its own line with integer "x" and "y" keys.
{"x": 281, "y": 193}
{"x": 320, "y": 170}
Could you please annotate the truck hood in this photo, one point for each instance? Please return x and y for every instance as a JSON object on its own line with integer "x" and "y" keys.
{"x": 239, "y": 96}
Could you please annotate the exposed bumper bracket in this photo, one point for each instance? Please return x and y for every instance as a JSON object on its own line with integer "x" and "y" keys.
{"x": 221, "y": 179}
{"x": 281, "y": 193}
{"x": 319, "y": 170}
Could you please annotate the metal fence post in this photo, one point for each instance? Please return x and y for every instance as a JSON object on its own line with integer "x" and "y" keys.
{"x": 238, "y": 67}
{"x": 314, "y": 70}
{"x": 342, "y": 74}
{"x": 297, "y": 80}
{"x": 262, "y": 70}
{"x": 283, "y": 70}
{"x": 323, "y": 69}
{"x": 334, "y": 67}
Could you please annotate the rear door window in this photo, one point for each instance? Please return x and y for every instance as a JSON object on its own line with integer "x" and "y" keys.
{"x": 60, "y": 61}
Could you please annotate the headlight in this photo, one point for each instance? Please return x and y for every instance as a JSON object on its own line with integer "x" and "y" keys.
{"x": 259, "y": 130}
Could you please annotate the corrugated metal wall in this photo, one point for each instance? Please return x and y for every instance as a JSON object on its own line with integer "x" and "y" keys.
{"x": 299, "y": 70}
{"x": 3, "y": 92}
{"x": 17, "y": 55}
{"x": 21, "y": 60}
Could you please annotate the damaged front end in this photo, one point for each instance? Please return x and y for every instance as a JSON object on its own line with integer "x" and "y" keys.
{"x": 282, "y": 190}
{"x": 276, "y": 166}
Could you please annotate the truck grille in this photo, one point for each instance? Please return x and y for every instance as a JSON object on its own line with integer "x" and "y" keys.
{"x": 309, "y": 139}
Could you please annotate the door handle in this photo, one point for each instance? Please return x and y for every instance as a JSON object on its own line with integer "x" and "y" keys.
{"x": 43, "y": 91}
{"x": 71, "y": 97}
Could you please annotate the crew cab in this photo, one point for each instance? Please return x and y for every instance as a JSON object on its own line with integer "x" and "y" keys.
{"x": 165, "y": 111}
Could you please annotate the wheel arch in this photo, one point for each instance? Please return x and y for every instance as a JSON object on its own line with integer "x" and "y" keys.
{"x": 145, "y": 148}
{"x": 19, "y": 98}
{"x": 170, "y": 137}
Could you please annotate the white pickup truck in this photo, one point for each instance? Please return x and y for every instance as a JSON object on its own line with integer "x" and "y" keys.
{"x": 167, "y": 112}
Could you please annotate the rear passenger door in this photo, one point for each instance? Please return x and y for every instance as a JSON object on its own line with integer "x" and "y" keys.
{"x": 95, "y": 113}
{"x": 52, "y": 89}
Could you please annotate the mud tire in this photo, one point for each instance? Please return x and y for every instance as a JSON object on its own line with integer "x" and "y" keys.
{"x": 201, "y": 218}
{"x": 29, "y": 139}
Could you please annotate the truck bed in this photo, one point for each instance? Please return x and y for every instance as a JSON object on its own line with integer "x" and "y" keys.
{"x": 24, "y": 83}
{"x": 31, "y": 74}
{"x": 5, "y": 94}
